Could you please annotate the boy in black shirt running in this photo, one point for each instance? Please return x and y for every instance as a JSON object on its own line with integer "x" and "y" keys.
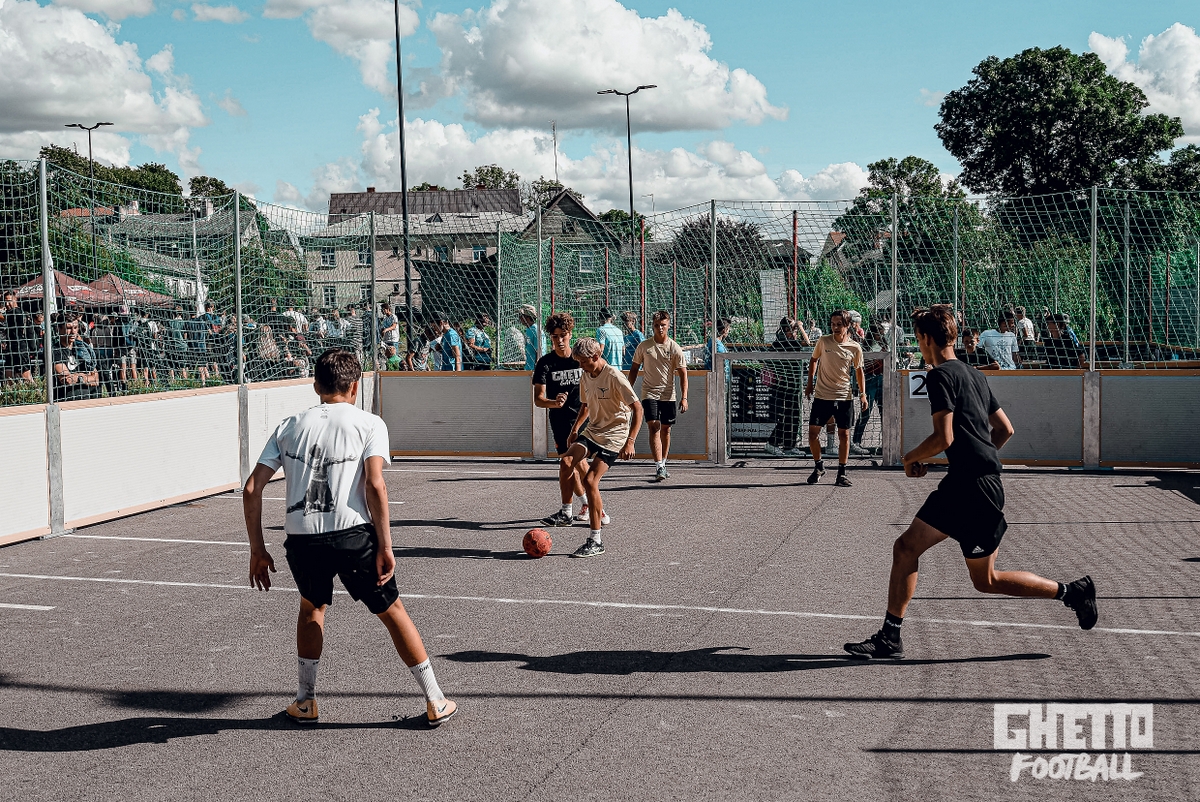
{"x": 968, "y": 504}
{"x": 556, "y": 388}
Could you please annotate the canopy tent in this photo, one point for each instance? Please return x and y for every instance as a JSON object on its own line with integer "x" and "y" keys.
{"x": 126, "y": 292}
{"x": 65, "y": 287}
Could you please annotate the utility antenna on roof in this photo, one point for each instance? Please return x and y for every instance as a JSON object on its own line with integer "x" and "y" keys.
{"x": 554, "y": 136}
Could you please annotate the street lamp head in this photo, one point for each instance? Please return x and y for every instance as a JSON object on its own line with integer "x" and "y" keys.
{"x": 647, "y": 86}
{"x": 607, "y": 92}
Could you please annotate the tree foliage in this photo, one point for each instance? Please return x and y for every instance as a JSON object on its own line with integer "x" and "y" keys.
{"x": 490, "y": 176}
{"x": 205, "y": 186}
{"x": 1046, "y": 121}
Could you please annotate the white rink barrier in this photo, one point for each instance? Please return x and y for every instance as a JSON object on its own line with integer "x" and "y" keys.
{"x": 81, "y": 462}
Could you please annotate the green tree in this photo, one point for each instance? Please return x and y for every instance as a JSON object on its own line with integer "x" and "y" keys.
{"x": 425, "y": 186}
{"x": 543, "y": 190}
{"x": 205, "y": 186}
{"x": 490, "y": 176}
{"x": 618, "y": 222}
{"x": 1046, "y": 121}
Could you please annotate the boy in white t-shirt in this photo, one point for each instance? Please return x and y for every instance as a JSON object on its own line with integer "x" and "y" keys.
{"x": 663, "y": 360}
{"x": 337, "y": 523}
{"x": 1001, "y": 343}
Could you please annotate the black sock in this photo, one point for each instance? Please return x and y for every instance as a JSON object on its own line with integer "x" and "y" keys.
{"x": 891, "y": 626}
{"x": 820, "y": 465}
{"x": 841, "y": 468}
{"x": 1062, "y": 592}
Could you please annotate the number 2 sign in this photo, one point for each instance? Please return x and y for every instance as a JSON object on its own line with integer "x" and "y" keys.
{"x": 916, "y": 385}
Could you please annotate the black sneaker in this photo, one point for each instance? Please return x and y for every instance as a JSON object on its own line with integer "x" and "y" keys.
{"x": 589, "y": 549}
{"x": 1081, "y": 597}
{"x": 877, "y": 646}
{"x": 816, "y": 474}
{"x": 843, "y": 481}
{"x": 559, "y": 518}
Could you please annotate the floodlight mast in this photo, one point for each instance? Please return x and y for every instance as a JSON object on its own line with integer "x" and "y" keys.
{"x": 92, "y": 180}
{"x": 408, "y": 305}
{"x": 629, "y": 141}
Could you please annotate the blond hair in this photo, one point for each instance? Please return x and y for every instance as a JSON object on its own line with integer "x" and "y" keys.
{"x": 586, "y": 348}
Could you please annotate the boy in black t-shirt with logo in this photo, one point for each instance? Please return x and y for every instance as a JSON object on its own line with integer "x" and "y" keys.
{"x": 968, "y": 504}
{"x": 556, "y": 388}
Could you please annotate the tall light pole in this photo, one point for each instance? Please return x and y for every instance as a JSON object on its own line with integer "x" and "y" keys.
{"x": 92, "y": 189}
{"x": 629, "y": 139}
{"x": 408, "y": 310}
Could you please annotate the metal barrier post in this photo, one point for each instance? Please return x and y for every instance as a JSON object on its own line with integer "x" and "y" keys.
{"x": 895, "y": 349}
{"x": 891, "y": 414}
{"x": 719, "y": 410}
{"x": 373, "y": 308}
{"x": 499, "y": 284}
{"x": 1127, "y": 281}
{"x": 537, "y": 322}
{"x": 1092, "y": 289}
{"x": 237, "y": 286}
{"x": 49, "y": 306}
{"x": 954, "y": 264}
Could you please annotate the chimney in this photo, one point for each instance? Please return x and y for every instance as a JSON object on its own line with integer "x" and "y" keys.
{"x": 370, "y": 189}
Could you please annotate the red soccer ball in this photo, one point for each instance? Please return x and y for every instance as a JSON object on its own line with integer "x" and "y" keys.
{"x": 537, "y": 543}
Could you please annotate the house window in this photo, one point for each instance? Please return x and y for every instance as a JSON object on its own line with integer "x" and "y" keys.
{"x": 441, "y": 254}
{"x": 364, "y": 292}
{"x": 329, "y": 295}
{"x": 364, "y": 257}
{"x": 328, "y": 257}
{"x": 587, "y": 262}
{"x": 480, "y": 253}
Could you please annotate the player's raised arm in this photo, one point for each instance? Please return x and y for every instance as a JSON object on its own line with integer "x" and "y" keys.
{"x": 1002, "y": 428}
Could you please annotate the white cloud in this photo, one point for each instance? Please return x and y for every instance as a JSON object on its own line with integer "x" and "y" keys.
{"x": 930, "y": 98}
{"x": 113, "y": 9}
{"x": 228, "y": 14}
{"x": 61, "y": 66}
{"x": 439, "y": 152}
{"x": 360, "y": 29}
{"x": 1167, "y": 70}
{"x": 521, "y": 62}
{"x": 107, "y": 148}
{"x": 231, "y": 105}
{"x": 179, "y": 15}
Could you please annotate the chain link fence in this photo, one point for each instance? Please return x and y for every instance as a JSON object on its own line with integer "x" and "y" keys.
{"x": 151, "y": 292}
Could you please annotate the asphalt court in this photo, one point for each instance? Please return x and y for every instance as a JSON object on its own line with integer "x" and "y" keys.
{"x": 699, "y": 658}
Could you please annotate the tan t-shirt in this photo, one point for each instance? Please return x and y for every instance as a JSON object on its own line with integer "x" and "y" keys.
{"x": 609, "y": 398}
{"x": 836, "y": 361}
{"x": 659, "y": 363}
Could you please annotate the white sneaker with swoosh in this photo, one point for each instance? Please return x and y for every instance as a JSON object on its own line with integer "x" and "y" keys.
{"x": 440, "y": 711}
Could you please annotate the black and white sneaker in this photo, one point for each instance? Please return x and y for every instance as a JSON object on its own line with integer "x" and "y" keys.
{"x": 660, "y": 474}
{"x": 589, "y": 549}
{"x": 877, "y": 646}
{"x": 815, "y": 475}
{"x": 559, "y": 518}
{"x": 1081, "y": 597}
{"x": 843, "y": 481}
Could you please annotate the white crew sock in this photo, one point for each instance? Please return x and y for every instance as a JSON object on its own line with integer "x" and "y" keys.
{"x": 569, "y": 508}
{"x": 662, "y": 463}
{"x": 307, "y": 670}
{"x": 595, "y": 535}
{"x": 424, "y": 674}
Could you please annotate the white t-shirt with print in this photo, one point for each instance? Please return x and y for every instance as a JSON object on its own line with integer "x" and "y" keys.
{"x": 323, "y": 452}
{"x": 1000, "y": 346}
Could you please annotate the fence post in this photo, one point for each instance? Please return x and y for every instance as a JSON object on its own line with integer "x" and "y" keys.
{"x": 373, "y": 307}
{"x": 1126, "y": 241}
{"x": 552, "y": 275}
{"x": 237, "y": 286}
{"x": 537, "y": 322}
{"x": 499, "y": 280}
{"x": 795, "y": 263}
{"x": 1092, "y": 287}
{"x": 49, "y": 304}
{"x": 895, "y": 281}
{"x": 717, "y": 372}
{"x": 199, "y": 277}
{"x": 954, "y": 264}
{"x": 1196, "y": 323}
{"x": 606, "y": 279}
{"x": 643, "y": 249}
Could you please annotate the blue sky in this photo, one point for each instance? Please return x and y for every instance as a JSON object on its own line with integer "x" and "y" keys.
{"x": 828, "y": 85}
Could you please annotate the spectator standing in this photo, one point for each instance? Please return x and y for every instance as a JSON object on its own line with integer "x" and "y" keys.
{"x": 393, "y": 361}
{"x": 176, "y": 345}
{"x": 479, "y": 344}
{"x": 18, "y": 336}
{"x": 419, "y": 349}
{"x": 389, "y": 326}
{"x": 632, "y": 334}
{"x": 971, "y": 355}
{"x": 786, "y": 390}
{"x": 611, "y": 340}
{"x": 531, "y": 334}
{"x": 75, "y": 370}
{"x": 722, "y": 333}
{"x": 1024, "y": 326}
{"x": 1063, "y": 349}
{"x": 1000, "y": 343}
{"x": 452, "y": 345}
{"x": 294, "y": 316}
{"x": 873, "y": 370}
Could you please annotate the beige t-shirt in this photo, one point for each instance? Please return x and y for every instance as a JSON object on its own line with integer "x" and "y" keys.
{"x": 659, "y": 363}
{"x": 609, "y": 398}
{"x": 836, "y": 361}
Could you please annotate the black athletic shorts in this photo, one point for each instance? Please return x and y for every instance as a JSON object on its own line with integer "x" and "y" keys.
{"x": 970, "y": 511}
{"x": 350, "y": 555}
{"x": 593, "y": 450}
{"x": 661, "y": 411}
{"x": 560, "y": 427}
{"x": 823, "y": 410}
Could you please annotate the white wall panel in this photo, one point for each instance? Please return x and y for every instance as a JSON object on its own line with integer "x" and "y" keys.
{"x": 122, "y": 456}
{"x": 24, "y": 482}
{"x": 269, "y": 404}
{"x": 459, "y": 413}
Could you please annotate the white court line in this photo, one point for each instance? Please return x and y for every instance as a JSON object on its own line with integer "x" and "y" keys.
{"x": 165, "y": 540}
{"x": 39, "y": 607}
{"x": 634, "y": 606}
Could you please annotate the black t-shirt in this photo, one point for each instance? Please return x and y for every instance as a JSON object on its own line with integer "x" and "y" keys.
{"x": 964, "y": 391}
{"x": 978, "y": 359}
{"x": 560, "y": 375}
{"x": 1062, "y": 353}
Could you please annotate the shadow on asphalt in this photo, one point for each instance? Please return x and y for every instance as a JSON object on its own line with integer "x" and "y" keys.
{"x": 714, "y": 659}
{"x": 160, "y": 730}
{"x": 1187, "y": 484}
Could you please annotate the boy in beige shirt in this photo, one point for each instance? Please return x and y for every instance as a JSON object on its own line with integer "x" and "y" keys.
{"x": 835, "y": 356}
{"x": 663, "y": 359}
{"x": 613, "y": 415}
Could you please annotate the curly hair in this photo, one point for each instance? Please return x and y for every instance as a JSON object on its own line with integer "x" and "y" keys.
{"x": 560, "y": 320}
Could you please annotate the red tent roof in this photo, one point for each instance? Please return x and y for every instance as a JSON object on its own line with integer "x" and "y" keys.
{"x": 126, "y": 292}
{"x": 71, "y": 289}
